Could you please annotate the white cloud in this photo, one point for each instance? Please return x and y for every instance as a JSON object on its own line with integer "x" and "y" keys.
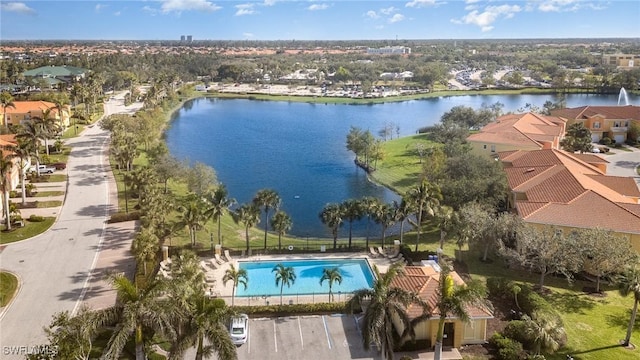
{"x": 396, "y": 18}
{"x": 568, "y": 5}
{"x": 117, "y": 13}
{"x": 388, "y": 11}
{"x": 268, "y": 3}
{"x": 318, "y": 7}
{"x": 17, "y": 7}
{"x": 150, "y": 10}
{"x": 421, "y": 3}
{"x": 485, "y": 19}
{"x": 245, "y": 9}
{"x": 248, "y": 35}
{"x": 186, "y": 5}
{"x": 372, "y": 14}
{"x": 100, "y": 7}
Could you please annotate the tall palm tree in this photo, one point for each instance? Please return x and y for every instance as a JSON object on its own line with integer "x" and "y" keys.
{"x": 145, "y": 247}
{"x": 445, "y": 217}
{"x": 281, "y": 223}
{"x": 49, "y": 126}
{"x": 425, "y": 198}
{"x": 352, "y": 210}
{"x": 248, "y": 215}
{"x": 284, "y": 276}
{"x": 331, "y": 275}
{"x": 6, "y": 100}
{"x": 137, "y": 310}
{"x": 545, "y": 330}
{"x": 384, "y": 215}
{"x": 368, "y": 204}
{"x": 23, "y": 151}
{"x": 629, "y": 283}
{"x": 219, "y": 205}
{"x": 382, "y": 305}
{"x": 331, "y": 216}
{"x": 454, "y": 300}
{"x": 239, "y": 276}
{"x": 402, "y": 210}
{"x": 191, "y": 218}
{"x": 31, "y": 133}
{"x": 267, "y": 199}
{"x": 6, "y": 167}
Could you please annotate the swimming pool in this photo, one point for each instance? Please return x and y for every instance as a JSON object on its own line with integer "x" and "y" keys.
{"x": 356, "y": 274}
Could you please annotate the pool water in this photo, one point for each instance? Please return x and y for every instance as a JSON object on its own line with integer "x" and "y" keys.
{"x": 356, "y": 275}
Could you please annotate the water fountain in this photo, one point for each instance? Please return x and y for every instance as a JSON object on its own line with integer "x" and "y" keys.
{"x": 623, "y": 95}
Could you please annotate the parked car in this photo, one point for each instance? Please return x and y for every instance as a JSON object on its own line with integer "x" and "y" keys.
{"x": 59, "y": 166}
{"x": 239, "y": 329}
{"x": 43, "y": 169}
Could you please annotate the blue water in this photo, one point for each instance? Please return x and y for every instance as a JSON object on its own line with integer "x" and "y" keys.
{"x": 356, "y": 274}
{"x": 298, "y": 149}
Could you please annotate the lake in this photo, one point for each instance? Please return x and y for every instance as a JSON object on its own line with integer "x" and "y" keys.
{"x": 298, "y": 149}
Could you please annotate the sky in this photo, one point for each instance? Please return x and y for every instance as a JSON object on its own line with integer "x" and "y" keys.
{"x": 317, "y": 20}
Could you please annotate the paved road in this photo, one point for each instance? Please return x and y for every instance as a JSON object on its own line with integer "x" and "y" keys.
{"x": 624, "y": 163}
{"x": 54, "y": 267}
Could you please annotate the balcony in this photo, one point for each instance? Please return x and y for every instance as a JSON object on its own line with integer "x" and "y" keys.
{"x": 619, "y": 129}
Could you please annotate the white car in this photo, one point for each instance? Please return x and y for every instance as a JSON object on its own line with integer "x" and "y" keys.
{"x": 239, "y": 329}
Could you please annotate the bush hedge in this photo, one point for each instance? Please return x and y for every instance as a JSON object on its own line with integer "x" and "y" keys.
{"x": 36, "y": 218}
{"x": 295, "y": 309}
{"x": 507, "y": 349}
{"x": 120, "y": 217}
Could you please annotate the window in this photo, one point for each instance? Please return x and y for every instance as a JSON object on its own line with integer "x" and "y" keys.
{"x": 626, "y": 123}
{"x": 493, "y": 148}
{"x": 596, "y": 125}
{"x": 484, "y": 146}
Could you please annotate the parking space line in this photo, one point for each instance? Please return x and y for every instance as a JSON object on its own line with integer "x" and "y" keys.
{"x": 300, "y": 328}
{"x": 249, "y": 340}
{"x": 275, "y": 337}
{"x": 326, "y": 331}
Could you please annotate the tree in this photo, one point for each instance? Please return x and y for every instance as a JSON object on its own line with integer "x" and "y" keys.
{"x": 6, "y": 100}
{"x": 454, "y": 300}
{"x": 352, "y": 211}
{"x": 331, "y": 216}
{"x": 445, "y": 219}
{"x": 167, "y": 167}
{"x": 267, "y": 199}
{"x": 238, "y": 276}
{"x": 281, "y": 223}
{"x": 425, "y": 198}
{"x": 605, "y": 253}
{"x": 629, "y": 283}
{"x": 218, "y": 205}
{"x": 145, "y": 247}
{"x": 30, "y": 133}
{"x": 192, "y": 217}
{"x": 23, "y": 151}
{"x": 137, "y": 311}
{"x": 545, "y": 331}
{"x": 72, "y": 336}
{"x": 384, "y": 215}
{"x": 368, "y": 204}
{"x": 248, "y": 215}
{"x": 402, "y": 210}
{"x": 284, "y": 276}
{"x": 331, "y": 275}
{"x": 6, "y": 168}
{"x": 577, "y": 138}
{"x": 201, "y": 178}
{"x": 384, "y": 304}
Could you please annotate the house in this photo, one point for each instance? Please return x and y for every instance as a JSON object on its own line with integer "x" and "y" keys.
{"x": 552, "y": 187}
{"x": 425, "y": 281}
{"x": 529, "y": 131}
{"x": 603, "y": 121}
{"x": 55, "y": 75}
{"x": 27, "y": 110}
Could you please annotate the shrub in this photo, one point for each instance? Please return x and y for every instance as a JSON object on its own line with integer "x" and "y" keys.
{"x": 606, "y": 141}
{"x": 283, "y": 310}
{"x": 507, "y": 349}
{"x": 517, "y": 330}
{"x": 14, "y": 194}
{"x": 499, "y": 287}
{"x": 120, "y": 217}
{"x": 36, "y": 218}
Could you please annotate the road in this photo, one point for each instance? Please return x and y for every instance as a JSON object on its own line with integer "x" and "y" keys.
{"x": 54, "y": 267}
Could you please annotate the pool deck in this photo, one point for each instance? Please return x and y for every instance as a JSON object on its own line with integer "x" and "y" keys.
{"x": 220, "y": 290}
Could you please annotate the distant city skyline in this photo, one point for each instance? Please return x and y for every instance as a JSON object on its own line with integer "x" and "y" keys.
{"x": 317, "y": 20}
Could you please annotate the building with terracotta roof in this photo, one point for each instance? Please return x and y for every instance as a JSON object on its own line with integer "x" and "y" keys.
{"x": 603, "y": 121}
{"x": 555, "y": 188}
{"x": 529, "y": 131}
{"x": 27, "y": 110}
{"x": 424, "y": 281}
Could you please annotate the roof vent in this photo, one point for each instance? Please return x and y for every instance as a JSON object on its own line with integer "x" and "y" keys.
{"x": 530, "y": 170}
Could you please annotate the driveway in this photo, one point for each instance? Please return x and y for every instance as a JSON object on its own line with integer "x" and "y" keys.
{"x": 624, "y": 163}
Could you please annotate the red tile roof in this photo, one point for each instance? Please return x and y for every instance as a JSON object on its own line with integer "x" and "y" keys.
{"x": 609, "y": 112}
{"x": 528, "y": 129}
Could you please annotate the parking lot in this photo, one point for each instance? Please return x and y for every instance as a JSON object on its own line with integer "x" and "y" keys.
{"x": 305, "y": 337}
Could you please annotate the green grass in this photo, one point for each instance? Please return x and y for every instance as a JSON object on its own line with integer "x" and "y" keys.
{"x": 8, "y": 287}
{"x": 29, "y": 230}
{"x": 49, "y": 193}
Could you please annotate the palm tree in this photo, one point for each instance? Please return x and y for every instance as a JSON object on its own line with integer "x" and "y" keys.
{"x": 6, "y": 167}
{"x": 331, "y": 216}
{"x": 6, "y": 100}
{"x": 352, "y": 211}
{"x": 145, "y": 247}
{"x": 191, "y": 218}
{"x": 281, "y": 223}
{"x": 454, "y": 300}
{"x": 331, "y": 275}
{"x": 545, "y": 330}
{"x": 267, "y": 199}
{"x": 31, "y": 132}
{"x": 248, "y": 215}
{"x": 137, "y": 311}
{"x": 49, "y": 126}
{"x": 220, "y": 203}
{"x": 445, "y": 217}
{"x": 239, "y": 276}
{"x": 368, "y": 204}
{"x": 629, "y": 283}
{"x": 402, "y": 210}
{"x": 383, "y": 214}
{"x": 23, "y": 151}
{"x": 382, "y": 305}
{"x": 425, "y": 198}
{"x": 284, "y": 276}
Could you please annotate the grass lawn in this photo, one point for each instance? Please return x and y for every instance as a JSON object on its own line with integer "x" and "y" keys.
{"x": 49, "y": 193}
{"x": 30, "y": 229}
{"x": 8, "y": 287}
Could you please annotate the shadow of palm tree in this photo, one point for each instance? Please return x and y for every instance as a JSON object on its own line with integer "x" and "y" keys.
{"x": 621, "y": 320}
{"x": 571, "y": 302}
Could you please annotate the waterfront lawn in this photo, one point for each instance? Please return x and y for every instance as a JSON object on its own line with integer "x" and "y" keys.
{"x": 8, "y": 287}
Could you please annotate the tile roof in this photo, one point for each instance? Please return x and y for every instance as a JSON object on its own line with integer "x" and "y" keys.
{"x": 609, "y": 112}
{"x": 23, "y": 107}
{"x": 562, "y": 189}
{"x": 527, "y": 129}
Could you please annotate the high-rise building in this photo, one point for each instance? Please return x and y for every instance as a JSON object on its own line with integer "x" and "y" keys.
{"x": 182, "y": 37}
{"x": 189, "y": 38}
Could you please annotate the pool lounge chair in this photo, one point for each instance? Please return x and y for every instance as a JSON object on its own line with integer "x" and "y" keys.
{"x": 205, "y": 267}
{"x": 219, "y": 259}
{"x": 394, "y": 255}
{"x": 227, "y": 256}
{"x": 381, "y": 251}
{"x": 214, "y": 264}
{"x": 373, "y": 252}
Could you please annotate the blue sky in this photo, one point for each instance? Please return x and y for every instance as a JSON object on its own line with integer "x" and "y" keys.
{"x": 317, "y": 20}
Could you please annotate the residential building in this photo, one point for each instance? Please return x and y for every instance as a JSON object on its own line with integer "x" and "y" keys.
{"x": 603, "y": 121}
{"x": 425, "y": 281}
{"x": 567, "y": 191}
{"x": 621, "y": 60}
{"x": 389, "y": 50}
{"x": 56, "y": 75}
{"x": 27, "y": 110}
{"x": 529, "y": 131}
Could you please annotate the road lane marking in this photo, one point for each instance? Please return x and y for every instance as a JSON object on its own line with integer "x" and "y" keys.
{"x": 326, "y": 331}
{"x": 300, "y": 328}
{"x": 275, "y": 337}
